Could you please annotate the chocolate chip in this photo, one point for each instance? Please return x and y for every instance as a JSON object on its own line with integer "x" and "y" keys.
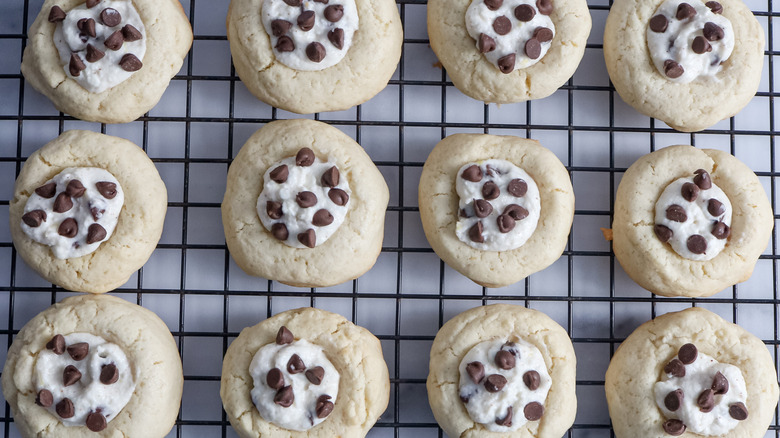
{"x": 306, "y": 20}
{"x": 464, "y": 398}
{"x": 331, "y": 177}
{"x": 502, "y": 25}
{"x": 56, "y": 14}
{"x": 315, "y": 375}
{"x": 715, "y": 207}
{"x": 273, "y": 209}
{"x": 659, "y": 23}
{"x": 322, "y": 218}
{"x": 88, "y": 26}
{"x": 324, "y": 406}
{"x": 44, "y": 398}
{"x": 95, "y": 233}
{"x": 68, "y": 228}
{"x": 702, "y": 179}
{"x": 482, "y": 208}
{"x": 109, "y": 374}
{"x": 689, "y": 191}
{"x": 56, "y": 344}
{"x": 505, "y": 360}
{"x": 506, "y": 64}
{"x": 663, "y": 232}
{"x": 674, "y": 427}
{"x": 92, "y": 3}
{"x": 493, "y": 4}
{"x": 464, "y": 213}
{"x": 280, "y": 174}
{"x": 304, "y": 157}
{"x": 280, "y": 27}
{"x": 700, "y": 45}
{"x": 285, "y": 44}
{"x": 533, "y": 48}
{"x": 507, "y": 420}
{"x": 516, "y": 212}
{"x": 490, "y": 190}
{"x": 75, "y": 189}
{"x": 275, "y": 379}
{"x": 115, "y": 40}
{"x": 486, "y": 44}
{"x": 712, "y": 31}
{"x": 96, "y": 422}
{"x": 96, "y": 213}
{"x": 495, "y": 382}
{"x": 34, "y": 218}
{"x": 545, "y": 7}
{"x": 738, "y": 411}
{"x": 65, "y": 408}
{"x": 706, "y": 401}
{"x": 338, "y": 196}
{"x": 476, "y": 371}
{"x": 721, "y": 231}
{"x": 130, "y": 63}
{"x": 130, "y": 33}
{"x": 532, "y": 380}
{"x": 475, "y": 233}
{"x": 676, "y": 213}
{"x": 333, "y": 13}
{"x": 110, "y": 17}
{"x": 672, "y": 69}
{"x": 315, "y": 52}
{"x": 306, "y": 199}
{"x": 93, "y": 54}
{"x": 685, "y": 11}
{"x": 715, "y": 7}
{"x": 293, "y": 3}
{"x": 517, "y": 188}
{"x": 70, "y": 375}
{"x": 308, "y": 238}
{"x": 533, "y": 411}
{"x": 688, "y": 354}
{"x": 284, "y": 397}
{"x": 472, "y": 173}
{"x": 673, "y": 400}
{"x": 336, "y": 37}
{"x": 697, "y": 244}
{"x": 46, "y": 191}
{"x": 78, "y": 351}
{"x": 284, "y": 336}
{"x": 505, "y": 223}
{"x": 76, "y": 65}
{"x": 675, "y": 367}
{"x": 295, "y": 365}
{"x": 63, "y": 203}
{"x": 525, "y": 13}
{"x": 720, "y": 384}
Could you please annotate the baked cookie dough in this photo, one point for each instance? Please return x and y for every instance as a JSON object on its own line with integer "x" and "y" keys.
{"x": 691, "y": 371}
{"x": 106, "y": 61}
{"x": 689, "y": 63}
{"x": 496, "y": 231}
{"x": 309, "y": 56}
{"x": 642, "y": 226}
{"x": 312, "y": 371}
{"x": 304, "y": 205}
{"x": 96, "y": 241}
{"x": 93, "y": 365}
{"x": 505, "y": 369}
{"x": 505, "y": 51}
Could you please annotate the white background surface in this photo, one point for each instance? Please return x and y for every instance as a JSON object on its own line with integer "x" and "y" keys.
{"x": 205, "y": 299}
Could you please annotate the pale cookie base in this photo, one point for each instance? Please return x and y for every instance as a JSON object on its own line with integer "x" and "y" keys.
{"x": 144, "y": 338}
{"x": 640, "y": 360}
{"x": 439, "y": 207}
{"x": 654, "y": 264}
{"x": 476, "y": 77}
{"x": 501, "y": 321}
{"x": 364, "y": 386}
{"x": 140, "y": 223}
{"x": 351, "y": 250}
{"x": 168, "y": 39}
{"x": 686, "y": 107}
{"x": 364, "y": 71}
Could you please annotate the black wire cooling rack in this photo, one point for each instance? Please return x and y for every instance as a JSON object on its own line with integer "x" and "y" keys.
{"x": 206, "y": 300}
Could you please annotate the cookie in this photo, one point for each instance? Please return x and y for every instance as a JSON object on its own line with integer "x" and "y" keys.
{"x": 505, "y": 369}
{"x": 505, "y": 51}
{"x": 690, "y": 222}
{"x": 88, "y": 211}
{"x": 688, "y": 63}
{"x": 304, "y": 205}
{"x": 691, "y": 373}
{"x": 495, "y": 208}
{"x": 304, "y": 370}
{"x": 106, "y": 61}
{"x": 93, "y": 363}
{"x": 309, "y": 56}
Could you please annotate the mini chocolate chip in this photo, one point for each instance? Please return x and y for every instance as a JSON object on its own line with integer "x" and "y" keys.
{"x": 517, "y": 188}
{"x": 322, "y": 218}
{"x": 96, "y": 422}
{"x": 308, "y": 238}
{"x": 92, "y": 3}
{"x": 464, "y": 398}
{"x": 495, "y": 382}
{"x": 486, "y": 44}
{"x": 533, "y": 411}
{"x": 720, "y": 384}
{"x": 532, "y": 380}
{"x": 306, "y": 20}
{"x": 315, "y": 375}
{"x": 44, "y": 398}
{"x": 34, "y": 218}
{"x": 662, "y": 232}
{"x": 285, "y": 44}
{"x": 738, "y": 411}
{"x": 533, "y": 48}
{"x": 482, "y": 208}
{"x": 545, "y": 7}
{"x": 525, "y": 13}
{"x": 109, "y": 374}
{"x": 490, "y": 190}
{"x": 688, "y": 354}
{"x": 115, "y": 40}
{"x": 333, "y": 13}
{"x": 110, "y": 17}
{"x": 68, "y": 228}
{"x": 275, "y": 379}
{"x": 280, "y": 27}
{"x": 472, "y": 173}
{"x": 130, "y": 33}
{"x": 46, "y": 191}
{"x": 304, "y": 157}
{"x": 706, "y": 400}
{"x": 56, "y": 344}
{"x": 306, "y": 199}
{"x": 78, "y": 351}
{"x": 331, "y": 177}
{"x": 715, "y": 207}
{"x": 715, "y": 7}
{"x": 284, "y": 336}
{"x": 65, "y": 408}
{"x": 689, "y": 191}
{"x": 700, "y": 45}
{"x": 696, "y": 244}
{"x": 493, "y": 4}
{"x": 75, "y": 189}
{"x": 659, "y": 23}
{"x": 712, "y": 31}
{"x": 88, "y": 27}
{"x": 315, "y": 52}
{"x": 76, "y": 65}
{"x": 702, "y": 179}
{"x": 507, "y": 420}
{"x": 685, "y": 11}
{"x": 516, "y": 212}
{"x": 673, "y": 400}
{"x": 464, "y": 213}
{"x": 280, "y": 174}
{"x": 324, "y": 406}
{"x": 505, "y": 360}
{"x": 476, "y": 371}
{"x": 505, "y": 223}
{"x": 475, "y": 233}
{"x": 336, "y": 37}
{"x": 506, "y": 64}
{"x": 293, "y": 3}
{"x": 543, "y": 34}
{"x": 56, "y": 14}
{"x": 721, "y": 231}
{"x": 284, "y": 397}
{"x": 672, "y": 69}
{"x": 676, "y": 213}
{"x": 273, "y": 209}
{"x": 70, "y": 375}
{"x": 95, "y": 233}
{"x": 93, "y": 54}
{"x": 63, "y": 203}
{"x": 502, "y": 25}
{"x": 96, "y": 213}
{"x": 338, "y": 196}
{"x": 130, "y": 63}
{"x": 674, "y": 427}
{"x": 675, "y": 367}
{"x": 295, "y": 365}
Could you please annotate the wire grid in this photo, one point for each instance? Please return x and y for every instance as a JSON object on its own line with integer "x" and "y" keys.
{"x": 205, "y": 299}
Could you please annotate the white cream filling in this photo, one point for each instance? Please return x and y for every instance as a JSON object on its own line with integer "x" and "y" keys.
{"x": 105, "y": 73}
{"x": 107, "y": 210}
{"x": 485, "y": 407}
{"x": 698, "y": 378}
{"x": 297, "y": 59}
{"x": 301, "y": 415}
{"x": 676, "y": 42}
{"x": 500, "y": 172}
{"x": 88, "y": 394}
